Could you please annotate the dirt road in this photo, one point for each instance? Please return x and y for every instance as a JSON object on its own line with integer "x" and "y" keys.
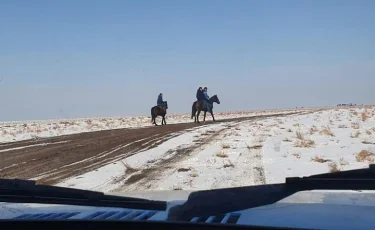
{"x": 52, "y": 160}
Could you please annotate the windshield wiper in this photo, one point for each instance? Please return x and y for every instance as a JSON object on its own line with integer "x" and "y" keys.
{"x": 221, "y": 201}
{"x": 26, "y": 191}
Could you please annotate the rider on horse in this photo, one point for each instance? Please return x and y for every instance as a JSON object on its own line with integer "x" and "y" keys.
{"x": 160, "y": 101}
{"x": 206, "y": 97}
{"x": 200, "y": 96}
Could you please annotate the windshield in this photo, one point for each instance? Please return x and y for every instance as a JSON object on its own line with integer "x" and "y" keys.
{"x": 149, "y": 96}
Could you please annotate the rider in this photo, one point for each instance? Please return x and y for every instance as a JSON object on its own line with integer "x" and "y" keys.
{"x": 205, "y": 95}
{"x": 160, "y": 101}
{"x": 200, "y": 96}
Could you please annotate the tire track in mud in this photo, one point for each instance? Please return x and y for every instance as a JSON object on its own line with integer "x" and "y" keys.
{"x": 175, "y": 155}
{"x": 116, "y": 154}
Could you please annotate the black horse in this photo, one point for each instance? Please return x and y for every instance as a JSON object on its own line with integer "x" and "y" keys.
{"x": 204, "y": 106}
{"x": 159, "y": 111}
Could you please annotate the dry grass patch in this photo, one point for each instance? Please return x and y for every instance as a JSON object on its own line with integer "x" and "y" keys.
{"x": 327, "y": 131}
{"x": 343, "y": 162}
{"x": 313, "y": 130}
{"x": 319, "y": 159}
{"x": 296, "y": 125}
{"x": 368, "y": 132}
{"x": 128, "y": 168}
{"x": 333, "y": 167}
{"x": 342, "y": 126}
{"x": 228, "y": 164}
{"x": 222, "y": 155}
{"x": 183, "y": 169}
{"x": 304, "y": 144}
{"x": 367, "y": 142}
{"x": 355, "y": 135}
{"x": 355, "y": 125}
{"x": 297, "y": 155}
{"x": 287, "y": 140}
{"x": 364, "y": 116}
{"x": 225, "y": 146}
{"x": 254, "y": 146}
{"x": 299, "y": 135}
{"x": 365, "y": 155}
{"x": 290, "y": 130}
{"x": 66, "y": 123}
{"x": 193, "y": 174}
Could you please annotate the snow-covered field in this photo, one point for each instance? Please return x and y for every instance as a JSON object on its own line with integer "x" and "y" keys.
{"x": 245, "y": 153}
{"x": 24, "y": 130}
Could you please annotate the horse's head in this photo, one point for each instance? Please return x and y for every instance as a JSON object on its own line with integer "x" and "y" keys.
{"x": 215, "y": 99}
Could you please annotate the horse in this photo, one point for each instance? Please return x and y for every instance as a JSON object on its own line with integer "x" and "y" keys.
{"x": 201, "y": 106}
{"x": 159, "y": 111}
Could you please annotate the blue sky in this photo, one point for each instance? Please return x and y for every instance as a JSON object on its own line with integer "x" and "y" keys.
{"x": 111, "y": 58}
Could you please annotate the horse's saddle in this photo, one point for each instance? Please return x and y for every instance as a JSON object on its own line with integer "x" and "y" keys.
{"x": 162, "y": 107}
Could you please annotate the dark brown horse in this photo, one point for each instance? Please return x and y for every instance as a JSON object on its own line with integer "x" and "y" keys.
{"x": 159, "y": 111}
{"x": 205, "y": 107}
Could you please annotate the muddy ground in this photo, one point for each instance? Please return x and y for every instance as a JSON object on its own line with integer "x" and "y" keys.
{"x": 52, "y": 160}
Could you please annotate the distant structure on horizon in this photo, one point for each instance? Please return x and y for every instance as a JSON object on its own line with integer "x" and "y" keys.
{"x": 351, "y": 104}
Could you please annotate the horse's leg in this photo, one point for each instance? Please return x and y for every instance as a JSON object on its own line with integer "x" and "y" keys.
{"x": 212, "y": 114}
{"x": 152, "y": 116}
{"x": 165, "y": 123}
{"x": 194, "y": 112}
{"x": 199, "y": 112}
{"x": 153, "y": 120}
{"x": 204, "y": 116}
{"x": 156, "y": 124}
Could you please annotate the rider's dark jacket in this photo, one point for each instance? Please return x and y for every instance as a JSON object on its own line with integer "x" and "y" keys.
{"x": 160, "y": 100}
{"x": 200, "y": 95}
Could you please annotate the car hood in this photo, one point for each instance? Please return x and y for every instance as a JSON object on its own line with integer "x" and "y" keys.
{"x": 313, "y": 209}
